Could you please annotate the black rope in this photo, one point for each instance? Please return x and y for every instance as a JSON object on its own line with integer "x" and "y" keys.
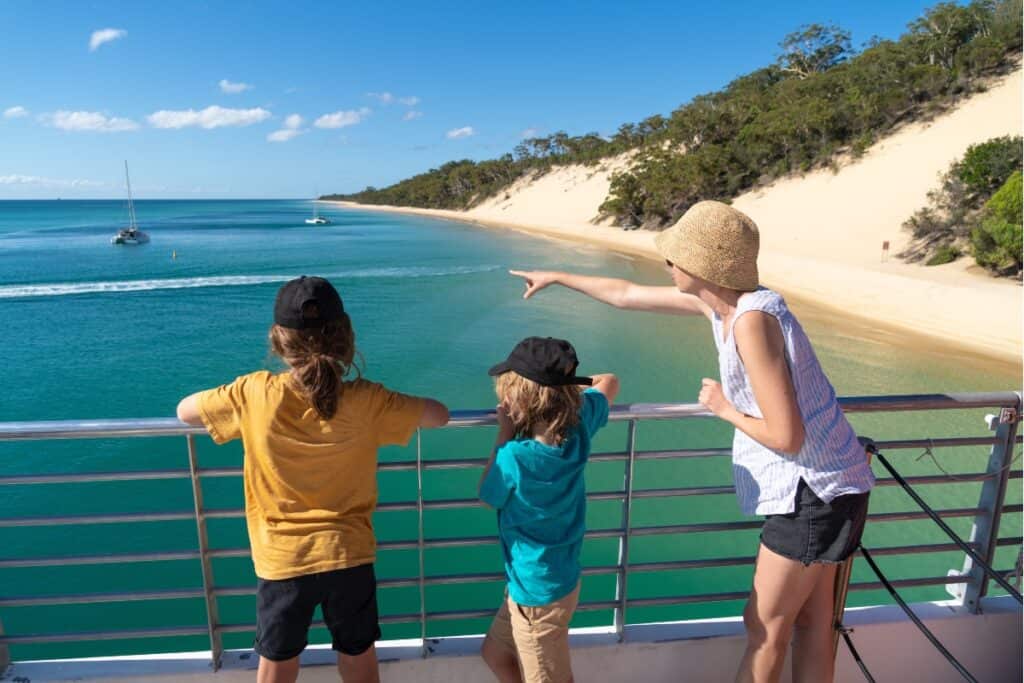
{"x": 853, "y": 652}
{"x": 914, "y": 618}
{"x": 996, "y": 576}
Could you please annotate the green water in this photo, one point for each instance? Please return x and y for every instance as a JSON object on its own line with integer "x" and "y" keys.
{"x": 96, "y": 331}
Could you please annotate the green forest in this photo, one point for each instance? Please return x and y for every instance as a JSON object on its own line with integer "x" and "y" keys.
{"x": 821, "y": 98}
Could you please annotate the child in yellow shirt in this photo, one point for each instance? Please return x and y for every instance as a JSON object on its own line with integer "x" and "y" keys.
{"x": 310, "y": 476}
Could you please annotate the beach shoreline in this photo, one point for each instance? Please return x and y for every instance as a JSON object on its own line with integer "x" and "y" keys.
{"x": 809, "y": 301}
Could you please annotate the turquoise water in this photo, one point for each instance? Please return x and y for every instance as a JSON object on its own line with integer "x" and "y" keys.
{"x": 97, "y": 331}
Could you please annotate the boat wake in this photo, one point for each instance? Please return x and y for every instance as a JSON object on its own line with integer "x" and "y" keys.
{"x": 115, "y": 287}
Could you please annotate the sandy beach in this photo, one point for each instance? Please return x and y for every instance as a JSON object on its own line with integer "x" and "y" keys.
{"x": 822, "y": 233}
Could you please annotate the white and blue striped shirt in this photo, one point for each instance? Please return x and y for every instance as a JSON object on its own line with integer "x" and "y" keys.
{"x": 831, "y": 461}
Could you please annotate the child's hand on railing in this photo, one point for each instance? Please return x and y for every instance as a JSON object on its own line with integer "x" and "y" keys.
{"x": 506, "y": 430}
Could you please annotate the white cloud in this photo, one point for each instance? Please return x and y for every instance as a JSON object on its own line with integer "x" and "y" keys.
{"x": 340, "y": 119}
{"x": 411, "y": 101}
{"x": 211, "y": 117}
{"x": 15, "y": 112}
{"x": 412, "y": 114}
{"x": 88, "y": 120}
{"x": 292, "y": 129}
{"x": 233, "y": 88}
{"x": 529, "y": 133}
{"x": 457, "y": 133}
{"x": 382, "y": 97}
{"x": 105, "y": 35}
{"x": 47, "y": 182}
{"x": 284, "y": 135}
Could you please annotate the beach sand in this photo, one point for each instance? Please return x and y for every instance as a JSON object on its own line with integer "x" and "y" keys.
{"x": 822, "y": 233}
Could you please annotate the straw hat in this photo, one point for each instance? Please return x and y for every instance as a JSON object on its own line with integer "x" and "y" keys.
{"x": 715, "y": 242}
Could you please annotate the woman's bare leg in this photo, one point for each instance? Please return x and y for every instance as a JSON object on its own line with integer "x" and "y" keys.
{"x": 813, "y": 659}
{"x": 781, "y": 587}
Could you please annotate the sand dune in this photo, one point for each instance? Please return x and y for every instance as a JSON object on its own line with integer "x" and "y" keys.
{"x": 822, "y": 233}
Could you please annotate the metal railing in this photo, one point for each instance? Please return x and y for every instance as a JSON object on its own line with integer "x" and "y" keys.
{"x": 984, "y": 538}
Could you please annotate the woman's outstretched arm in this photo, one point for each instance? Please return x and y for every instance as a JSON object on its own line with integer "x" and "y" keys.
{"x": 618, "y": 293}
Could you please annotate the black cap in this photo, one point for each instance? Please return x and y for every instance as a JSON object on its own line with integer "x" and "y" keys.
{"x": 546, "y": 360}
{"x": 295, "y": 294}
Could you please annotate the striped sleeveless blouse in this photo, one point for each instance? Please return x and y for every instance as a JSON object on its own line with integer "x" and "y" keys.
{"x": 831, "y": 461}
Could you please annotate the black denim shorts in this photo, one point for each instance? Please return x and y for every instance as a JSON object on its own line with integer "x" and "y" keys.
{"x": 817, "y": 531}
{"x": 284, "y": 611}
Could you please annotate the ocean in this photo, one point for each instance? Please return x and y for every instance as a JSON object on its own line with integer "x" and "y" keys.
{"x": 98, "y": 331}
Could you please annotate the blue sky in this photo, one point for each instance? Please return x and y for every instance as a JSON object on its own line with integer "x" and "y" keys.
{"x": 201, "y": 97}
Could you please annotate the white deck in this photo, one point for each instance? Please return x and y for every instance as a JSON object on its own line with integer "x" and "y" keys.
{"x": 988, "y": 645}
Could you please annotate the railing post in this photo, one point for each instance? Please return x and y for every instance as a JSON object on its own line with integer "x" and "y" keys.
{"x": 619, "y": 618}
{"x": 841, "y": 583}
{"x": 212, "y": 620}
{"x": 420, "y": 543}
{"x": 5, "y": 653}
{"x": 985, "y": 531}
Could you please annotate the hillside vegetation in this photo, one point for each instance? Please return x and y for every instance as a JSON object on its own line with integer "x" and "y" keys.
{"x": 976, "y": 209}
{"x": 820, "y": 98}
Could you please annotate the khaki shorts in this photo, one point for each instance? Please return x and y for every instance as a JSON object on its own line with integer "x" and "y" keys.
{"x": 539, "y": 636}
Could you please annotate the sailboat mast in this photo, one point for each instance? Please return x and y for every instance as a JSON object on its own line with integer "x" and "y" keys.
{"x": 131, "y": 204}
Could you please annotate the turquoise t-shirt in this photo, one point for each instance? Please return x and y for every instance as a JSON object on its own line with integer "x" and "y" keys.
{"x": 539, "y": 494}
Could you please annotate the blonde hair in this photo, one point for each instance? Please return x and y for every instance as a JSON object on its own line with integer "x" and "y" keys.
{"x": 530, "y": 404}
{"x": 319, "y": 359}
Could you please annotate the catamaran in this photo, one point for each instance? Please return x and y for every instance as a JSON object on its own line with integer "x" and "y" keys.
{"x": 317, "y": 219}
{"x": 131, "y": 234}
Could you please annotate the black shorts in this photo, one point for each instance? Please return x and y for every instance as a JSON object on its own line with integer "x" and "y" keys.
{"x": 817, "y": 531}
{"x": 284, "y": 611}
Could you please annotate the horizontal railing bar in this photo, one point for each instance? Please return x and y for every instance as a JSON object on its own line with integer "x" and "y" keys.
{"x": 1011, "y": 540}
{"x": 97, "y": 598}
{"x": 72, "y": 560}
{"x": 26, "y": 479}
{"x": 471, "y": 503}
{"x": 452, "y": 463}
{"x": 743, "y": 595}
{"x": 169, "y": 426}
{"x": 167, "y": 632}
{"x": 126, "y": 518}
{"x": 948, "y": 442}
{"x": 452, "y": 614}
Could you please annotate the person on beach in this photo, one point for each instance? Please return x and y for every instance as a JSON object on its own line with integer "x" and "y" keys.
{"x": 534, "y": 479}
{"x": 796, "y": 459}
{"x": 310, "y": 475}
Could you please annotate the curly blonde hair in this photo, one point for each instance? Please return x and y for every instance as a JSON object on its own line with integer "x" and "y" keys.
{"x": 530, "y": 404}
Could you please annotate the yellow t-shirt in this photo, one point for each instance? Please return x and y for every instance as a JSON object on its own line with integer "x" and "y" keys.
{"x": 310, "y": 483}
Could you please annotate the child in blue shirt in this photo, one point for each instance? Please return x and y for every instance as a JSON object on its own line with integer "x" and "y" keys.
{"x": 534, "y": 480}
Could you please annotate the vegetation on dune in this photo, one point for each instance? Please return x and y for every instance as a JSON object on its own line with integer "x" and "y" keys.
{"x": 820, "y": 98}
{"x": 976, "y": 209}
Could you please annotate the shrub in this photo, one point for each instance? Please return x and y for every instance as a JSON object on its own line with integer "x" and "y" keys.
{"x": 997, "y": 241}
{"x": 947, "y": 253}
{"x": 986, "y": 166}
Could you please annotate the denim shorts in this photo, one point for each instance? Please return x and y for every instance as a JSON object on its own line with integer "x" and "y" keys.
{"x": 284, "y": 611}
{"x": 817, "y": 531}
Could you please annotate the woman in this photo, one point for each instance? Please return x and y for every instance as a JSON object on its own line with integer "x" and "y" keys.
{"x": 796, "y": 460}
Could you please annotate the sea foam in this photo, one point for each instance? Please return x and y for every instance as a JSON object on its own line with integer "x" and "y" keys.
{"x": 118, "y": 286}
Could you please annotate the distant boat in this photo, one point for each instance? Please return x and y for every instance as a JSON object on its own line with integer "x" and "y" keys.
{"x": 317, "y": 219}
{"x": 130, "y": 235}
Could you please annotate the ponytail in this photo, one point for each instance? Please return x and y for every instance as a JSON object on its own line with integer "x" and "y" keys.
{"x": 319, "y": 359}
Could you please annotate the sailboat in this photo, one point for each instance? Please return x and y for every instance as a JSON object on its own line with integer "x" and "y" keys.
{"x": 317, "y": 219}
{"x": 131, "y": 234}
